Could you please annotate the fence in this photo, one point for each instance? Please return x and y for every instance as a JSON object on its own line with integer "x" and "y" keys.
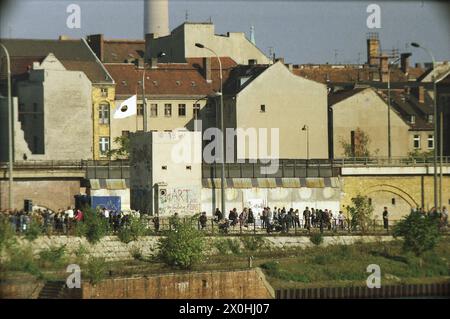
{"x": 389, "y": 291}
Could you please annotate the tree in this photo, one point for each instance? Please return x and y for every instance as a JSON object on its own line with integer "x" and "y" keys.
{"x": 359, "y": 147}
{"x": 123, "y": 152}
{"x": 184, "y": 246}
{"x": 420, "y": 232}
{"x": 361, "y": 213}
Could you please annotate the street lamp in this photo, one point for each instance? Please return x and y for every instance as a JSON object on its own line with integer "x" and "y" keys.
{"x": 306, "y": 128}
{"x": 144, "y": 102}
{"x": 433, "y": 78}
{"x": 11, "y": 129}
{"x": 389, "y": 107}
{"x": 222, "y": 174}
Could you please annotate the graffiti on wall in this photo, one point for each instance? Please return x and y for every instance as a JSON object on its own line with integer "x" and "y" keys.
{"x": 181, "y": 200}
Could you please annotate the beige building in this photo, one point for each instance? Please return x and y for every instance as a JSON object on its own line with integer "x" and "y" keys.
{"x": 180, "y": 44}
{"x": 366, "y": 110}
{"x": 272, "y": 98}
{"x": 55, "y": 112}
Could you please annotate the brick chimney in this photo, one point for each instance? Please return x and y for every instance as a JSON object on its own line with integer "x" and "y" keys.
{"x": 421, "y": 94}
{"x": 207, "y": 69}
{"x": 404, "y": 62}
{"x": 96, "y": 42}
{"x": 148, "y": 40}
{"x": 384, "y": 68}
{"x": 373, "y": 48}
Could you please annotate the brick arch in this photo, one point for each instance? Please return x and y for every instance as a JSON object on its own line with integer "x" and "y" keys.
{"x": 394, "y": 190}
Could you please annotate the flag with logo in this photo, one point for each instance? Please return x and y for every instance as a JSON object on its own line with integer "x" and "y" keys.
{"x": 126, "y": 108}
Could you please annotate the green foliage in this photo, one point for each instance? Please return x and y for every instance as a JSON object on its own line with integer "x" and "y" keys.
{"x": 22, "y": 259}
{"x": 7, "y": 235}
{"x": 253, "y": 243}
{"x": 183, "y": 247}
{"x": 94, "y": 226}
{"x": 34, "y": 230}
{"x": 420, "y": 233}
{"x": 81, "y": 254}
{"x": 273, "y": 269}
{"x": 361, "y": 213}
{"x": 52, "y": 257}
{"x": 96, "y": 270}
{"x": 316, "y": 239}
{"x": 136, "y": 253}
{"x": 420, "y": 155}
{"x": 234, "y": 246}
{"x": 360, "y": 147}
{"x": 131, "y": 232}
{"x": 228, "y": 246}
{"x": 123, "y": 152}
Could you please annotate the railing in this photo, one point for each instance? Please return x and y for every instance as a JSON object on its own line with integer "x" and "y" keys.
{"x": 385, "y": 291}
{"x": 298, "y": 168}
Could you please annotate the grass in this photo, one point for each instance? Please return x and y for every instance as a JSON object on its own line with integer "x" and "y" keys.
{"x": 346, "y": 265}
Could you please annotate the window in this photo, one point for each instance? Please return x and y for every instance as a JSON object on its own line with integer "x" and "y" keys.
{"x": 164, "y": 168}
{"x": 393, "y": 201}
{"x": 416, "y": 141}
{"x": 430, "y": 118}
{"x": 140, "y": 109}
{"x": 370, "y": 201}
{"x": 196, "y": 111}
{"x": 181, "y": 109}
{"x": 430, "y": 141}
{"x": 153, "y": 110}
{"x": 189, "y": 167}
{"x": 103, "y": 113}
{"x": 125, "y": 133}
{"x": 263, "y": 108}
{"x": 104, "y": 92}
{"x": 104, "y": 145}
{"x": 168, "y": 110}
{"x": 412, "y": 119}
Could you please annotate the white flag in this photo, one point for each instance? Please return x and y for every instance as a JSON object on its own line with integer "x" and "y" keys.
{"x": 126, "y": 108}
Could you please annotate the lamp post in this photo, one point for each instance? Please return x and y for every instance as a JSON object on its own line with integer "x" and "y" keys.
{"x": 11, "y": 129}
{"x": 416, "y": 45}
{"x": 222, "y": 174}
{"x": 306, "y": 128}
{"x": 144, "y": 102}
{"x": 389, "y": 108}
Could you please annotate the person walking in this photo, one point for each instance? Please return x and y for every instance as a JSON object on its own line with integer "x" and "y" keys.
{"x": 385, "y": 218}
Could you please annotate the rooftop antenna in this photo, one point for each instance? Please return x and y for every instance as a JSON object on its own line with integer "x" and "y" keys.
{"x": 359, "y": 58}
{"x": 252, "y": 35}
{"x": 271, "y": 54}
{"x": 335, "y": 56}
{"x": 186, "y": 15}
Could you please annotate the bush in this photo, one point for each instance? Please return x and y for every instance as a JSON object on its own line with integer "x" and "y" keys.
{"x": 221, "y": 246}
{"x": 253, "y": 243}
{"x": 94, "y": 226}
{"x": 34, "y": 230}
{"x": 96, "y": 270}
{"x": 131, "y": 232}
{"x": 7, "y": 235}
{"x": 22, "y": 259}
{"x": 234, "y": 245}
{"x": 316, "y": 239}
{"x": 52, "y": 257}
{"x": 184, "y": 246}
{"x": 361, "y": 213}
{"x": 136, "y": 253}
{"x": 420, "y": 233}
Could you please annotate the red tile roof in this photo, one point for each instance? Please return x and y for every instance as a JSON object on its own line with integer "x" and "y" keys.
{"x": 181, "y": 79}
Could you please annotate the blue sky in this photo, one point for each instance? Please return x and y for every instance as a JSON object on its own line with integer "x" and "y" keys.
{"x": 299, "y": 31}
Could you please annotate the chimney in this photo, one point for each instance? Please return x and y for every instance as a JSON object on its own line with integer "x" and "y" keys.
{"x": 384, "y": 65}
{"x": 154, "y": 63}
{"x": 96, "y": 42}
{"x": 252, "y": 62}
{"x": 421, "y": 94}
{"x": 373, "y": 48}
{"x": 404, "y": 62}
{"x": 148, "y": 44}
{"x": 279, "y": 59}
{"x": 139, "y": 63}
{"x": 290, "y": 67}
{"x": 207, "y": 69}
